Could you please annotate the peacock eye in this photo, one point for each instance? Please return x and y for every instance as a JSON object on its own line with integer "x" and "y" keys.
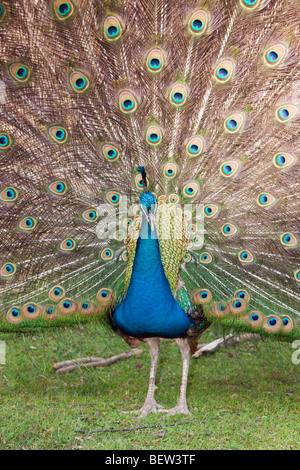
{"x": 20, "y": 72}
{"x": 283, "y": 160}
{"x": 79, "y": 81}
{"x": 250, "y": 4}
{"x": 286, "y": 113}
{"x": 58, "y": 188}
{"x": 198, "y": 22}
{"x": 8, "y": 269}
{"x": 154, "y": 135}
{"x": 90, "y": 215}
{"x": 2, "y": 12}
{"x": 67, "y": 306}
{"x": 174, "y": 198}
{"x": 68, "y": 244}
{"x": 272, "y": 324}
{"x": 245, "y": 256}
{"x": 9, "y": 195}
{"x": 202, "y": 297}
{"x": 205, "y": 258}
{"x": 265, "y": 199}
{"x": 210, "y": 210}
{"x": 63, "y": 9}
{"x": 238, "y": 306}
{"x": 194, "y": 147}
{"x": 104, "y": 296}
{"x": 178, "y": 94}
{"x": 190, "y": 189}
{"x": 58, "y": 134}
{"x": 234, "y": 123}
{"x": 56, "y": 293}
{"x": 289, "y": 240}
{"x": 113, "y": 197}
{"x": 107, "y": 254}
{"x": 297, "y": 275}
{"x": 274, "y": 55}
{"x": 5, "y": 141}
{"x": 155, "y": 60}
{"x": 229, "y": 230}
{"x": 112, "y": 28}
{"x": 110, "y": 152}
{"x": 28, "y": 223}
{"x": 127, "y": 102}
{"x": 170, "y": 170}
{"x": 241, "y": 294}
{"x": 223, "y": 72}
{"x": 228, "y": 169}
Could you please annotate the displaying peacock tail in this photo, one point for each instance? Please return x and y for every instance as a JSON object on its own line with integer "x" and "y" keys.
{"x": 204, "y": 95}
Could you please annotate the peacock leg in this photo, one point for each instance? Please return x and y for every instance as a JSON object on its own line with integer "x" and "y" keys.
{"x": 181, "y": 406}
{"x": 150, "y": 404}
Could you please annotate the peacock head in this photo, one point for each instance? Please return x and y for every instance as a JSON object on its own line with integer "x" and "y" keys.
{"x": 148, "y": 201}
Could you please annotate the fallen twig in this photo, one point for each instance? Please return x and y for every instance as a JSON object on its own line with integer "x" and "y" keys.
{"x": 83, "y": 431}
{"x": 228, "y": 340}
{"x": 27, "y": 438}
{"x": 82, "y": 362}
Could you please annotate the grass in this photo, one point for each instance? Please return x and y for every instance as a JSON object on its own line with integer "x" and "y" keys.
{"x": 245, "y": 397}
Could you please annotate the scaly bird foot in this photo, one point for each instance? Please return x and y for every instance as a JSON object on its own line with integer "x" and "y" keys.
{"x": 150, "y": 406}
{"x": 180, "y": 408}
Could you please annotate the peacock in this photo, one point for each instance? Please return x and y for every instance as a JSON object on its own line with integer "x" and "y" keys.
{"x": 149, "y": 174}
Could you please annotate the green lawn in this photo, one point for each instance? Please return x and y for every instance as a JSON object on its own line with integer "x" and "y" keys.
{"x": 245, "y": 397}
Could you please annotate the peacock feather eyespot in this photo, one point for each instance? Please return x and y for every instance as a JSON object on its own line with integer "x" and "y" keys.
{"x": 5, "y": 141}
{"x": 20, "y": 72}
{"x": 195, "y": 147}
{"x": 48, "y": 312}
{"x": 8, "y": 269}
{"x": 198, "y": 22}
{"x": 187, "y": 258}
{"x": 178, "y": 94}
{"x": 272, "y": 324}
{"x": 9, "y": 194}
{"x": 155, "y": 60}
{"x": 2, "y": 12}
{"x": 58, "y": 134}
{"x": 228, "y": 230}
{"x": 286, "y": 113}
{"x": 224, "y": 70}
{"x": 105, "y": 297}
{"x": 255, "y": 319}
{"x": 107, "y": 254}
{"x": 154, "y": 135}
{"x": 297, "y": 275}
{"x": 113, "y": 197}
{"x": 238, "y": 306}
{"x": 274, "y": 55}
{"x": 63, "y": 9}
{"x": 113, "y": 28}
{"x": 14, "y": 315}
{"x": 127, "y": 102}
{"x": 31, "y": 311}
{"x": 174, "y": 198}
{"x": 110, "y": 152}
{"x": 119, "y": 235}
{"x": 250, "y": 4}
{"x": 234, "y": 123}
{"x": 246, "y": 256}
{"x": 67, "y": 306}
{"x": 90, "y": 215}
{"x": 289, "y": 240}
{"x": 190, "y": 189}
{"x": 265, "y": 199}
{"x": 198, "y": 241}
{"x": 68, "y": 244}
{"x": 79, "y": 81}
{"x": 202, "y": 296}
{"x": 283, "y": 160}
{"x": 242, "y": 294}
{"x": 125, "y": 255}
{"x": 205, "y": 258}
{"x": 170, "y": 170}
{"x": 228, "y": 169}
{"x": 287, "y": 323}
{"x": 56, "y": 293}
{"x": 210, "y": 210}
{"x": 28, "y": 224}
{"x": 58, "y": 188}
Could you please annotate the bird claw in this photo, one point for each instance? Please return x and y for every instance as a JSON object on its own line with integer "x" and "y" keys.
{"x": 180, "y": 408}
{"x": 150, "y": 406}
